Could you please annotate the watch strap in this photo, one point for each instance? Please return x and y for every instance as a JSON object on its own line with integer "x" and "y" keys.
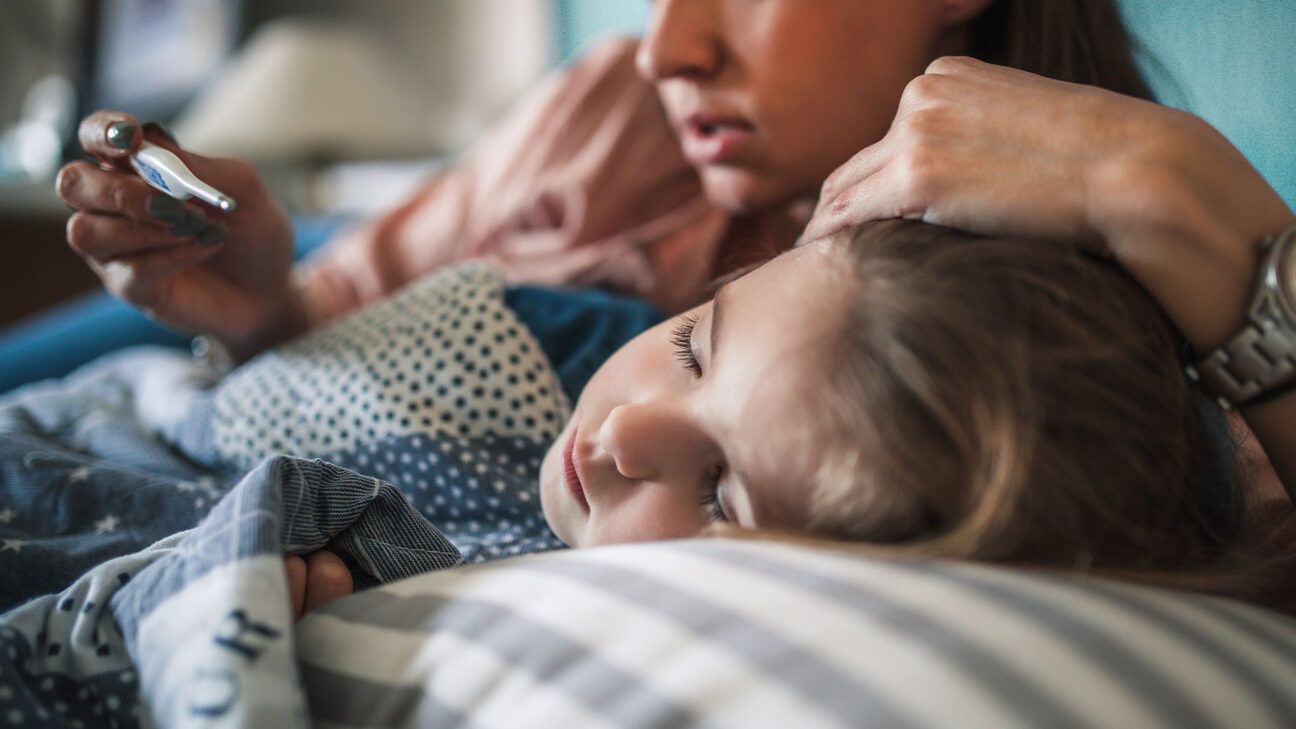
{"x": 1259, "y": 362}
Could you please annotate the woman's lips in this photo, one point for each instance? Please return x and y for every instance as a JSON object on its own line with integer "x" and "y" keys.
{"x": 570, "y": 474}
{"x": 709, "y": 139}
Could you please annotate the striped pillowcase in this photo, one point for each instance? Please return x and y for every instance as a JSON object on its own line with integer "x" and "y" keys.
{"x": 747, "y": 634}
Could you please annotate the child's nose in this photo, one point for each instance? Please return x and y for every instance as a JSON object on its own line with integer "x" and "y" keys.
{"x": 680, "y": 41}
{"x": 652, "y": 441}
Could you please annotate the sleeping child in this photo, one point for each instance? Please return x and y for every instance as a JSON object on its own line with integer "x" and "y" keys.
{"x": 898, "y": 389}
{"x": 917, "y": 390}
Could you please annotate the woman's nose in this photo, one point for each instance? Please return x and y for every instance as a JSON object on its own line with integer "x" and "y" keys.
{"x": 653, "y": 441}
{"x": 681, "y": 41}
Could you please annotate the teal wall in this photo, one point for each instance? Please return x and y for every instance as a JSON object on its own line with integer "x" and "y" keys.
{"x": 1231, "y": 62}
{"x": 583, "y": 22}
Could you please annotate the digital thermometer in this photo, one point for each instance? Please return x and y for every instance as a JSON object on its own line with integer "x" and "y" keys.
{"x": 163, "y": 170}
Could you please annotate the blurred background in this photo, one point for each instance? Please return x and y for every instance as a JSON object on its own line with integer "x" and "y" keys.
{"x": 342, "y": 105}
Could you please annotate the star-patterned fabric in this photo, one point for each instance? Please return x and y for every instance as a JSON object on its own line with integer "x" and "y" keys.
{"x": 82, "y": 480}
{"x": 208, "y": 604}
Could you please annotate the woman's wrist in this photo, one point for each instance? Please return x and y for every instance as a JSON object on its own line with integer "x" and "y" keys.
{"x": 285, "y": 319}
{"x": 1187, "y": 215}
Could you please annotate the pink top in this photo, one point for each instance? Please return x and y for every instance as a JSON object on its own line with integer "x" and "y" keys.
{"x": 582, "y": 183}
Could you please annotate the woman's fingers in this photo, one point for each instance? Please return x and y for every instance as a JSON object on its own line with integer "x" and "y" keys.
{"x": 869, "y": 198}
{"x": 105, "y": 237}
{"x": 858, "y": 169}
{"x": 889, "y": 179}
{"x": 895, "y": 179}
{"x": 864, "y": 163}
{"x": 327, "y": 579}
{"x": 110, "y": 136}
{"x": 84, "y": 187}
{"x": 144, "y": 280}
{"x": 119, "y": 215}
{"x": 185, "y": 263}
{"x": 974, "y": 146}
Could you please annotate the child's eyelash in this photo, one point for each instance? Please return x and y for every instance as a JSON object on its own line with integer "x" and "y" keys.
{"x": 711, "y": 496}
{"x": 682, "y": 338}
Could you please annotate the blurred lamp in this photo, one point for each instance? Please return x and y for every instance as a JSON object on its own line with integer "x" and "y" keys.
{"x": 32, "y": 148}
{"x": 305, "y": 90}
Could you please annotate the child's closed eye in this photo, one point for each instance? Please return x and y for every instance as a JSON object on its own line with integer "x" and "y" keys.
{"x": 711, "y": 496}
{"x": 682, "y": 339}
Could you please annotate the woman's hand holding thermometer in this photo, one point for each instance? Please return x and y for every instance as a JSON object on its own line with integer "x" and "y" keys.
{"x": 187, "y": 255}
{"x": 162, "y": 169}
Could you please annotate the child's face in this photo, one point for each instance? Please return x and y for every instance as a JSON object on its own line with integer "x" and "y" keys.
{"x": 694, "y": 422}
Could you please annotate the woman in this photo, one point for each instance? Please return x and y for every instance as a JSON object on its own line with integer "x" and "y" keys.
{"x": 767, "y": 98}
{"x": 596, "y": 179}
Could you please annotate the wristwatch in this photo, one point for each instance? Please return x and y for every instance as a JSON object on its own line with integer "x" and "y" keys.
{"x": 211, "y": 354}
{"x": 1259, "y": 362}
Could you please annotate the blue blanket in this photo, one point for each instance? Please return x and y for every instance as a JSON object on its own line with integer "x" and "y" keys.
{"x": 155, "y": 588}
{"x": 144, "y": 509}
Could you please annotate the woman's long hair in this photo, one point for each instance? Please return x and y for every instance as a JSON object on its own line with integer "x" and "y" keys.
{"x": 1082, "y": 41}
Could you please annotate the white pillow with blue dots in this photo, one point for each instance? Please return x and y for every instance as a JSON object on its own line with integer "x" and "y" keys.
{"x": 442, "y": 357}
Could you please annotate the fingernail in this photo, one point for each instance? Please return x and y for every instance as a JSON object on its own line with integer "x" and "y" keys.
{"x": 120, "y": 135}
{"x": 165, "y": 207}
{"x": 193, "y": 222}
{"x": 162, "y": 129}
{"x": 214, "y": 234}
{"x": 68, "y": 177}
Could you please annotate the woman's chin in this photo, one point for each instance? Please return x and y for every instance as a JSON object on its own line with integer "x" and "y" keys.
{"x": 739, "y": 191}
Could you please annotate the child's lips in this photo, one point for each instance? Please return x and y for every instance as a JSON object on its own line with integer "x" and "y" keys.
{"x": 570, "y": 473}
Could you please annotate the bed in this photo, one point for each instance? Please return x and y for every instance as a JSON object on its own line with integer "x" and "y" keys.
{"x": 145, "y": 509}
{"x": 189, "y": 627}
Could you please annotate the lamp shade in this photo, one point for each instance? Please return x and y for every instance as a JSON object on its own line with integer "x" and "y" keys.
{"x": 308, "y": 89}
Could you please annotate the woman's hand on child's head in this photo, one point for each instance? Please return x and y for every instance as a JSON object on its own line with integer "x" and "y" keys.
{"x": 182, "y": 262}
{"x": 315, "y": 580}
{"x": 999, "y": 151}
{"x": 985, "y": 148}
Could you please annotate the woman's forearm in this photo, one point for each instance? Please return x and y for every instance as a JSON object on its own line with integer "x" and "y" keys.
{"x": 1189, "y": 223}
{"x": 1186, "y": 214}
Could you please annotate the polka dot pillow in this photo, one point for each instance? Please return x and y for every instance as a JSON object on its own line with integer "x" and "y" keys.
{"x": 442, "y": 357}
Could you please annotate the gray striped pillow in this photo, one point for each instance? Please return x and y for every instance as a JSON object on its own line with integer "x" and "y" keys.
{"x": 748, "y": 634}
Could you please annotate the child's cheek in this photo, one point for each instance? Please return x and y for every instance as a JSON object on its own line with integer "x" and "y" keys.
{"x": 653, "y": 514}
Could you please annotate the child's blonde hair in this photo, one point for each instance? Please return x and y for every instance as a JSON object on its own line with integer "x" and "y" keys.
{"x": 1021, "y": 402}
